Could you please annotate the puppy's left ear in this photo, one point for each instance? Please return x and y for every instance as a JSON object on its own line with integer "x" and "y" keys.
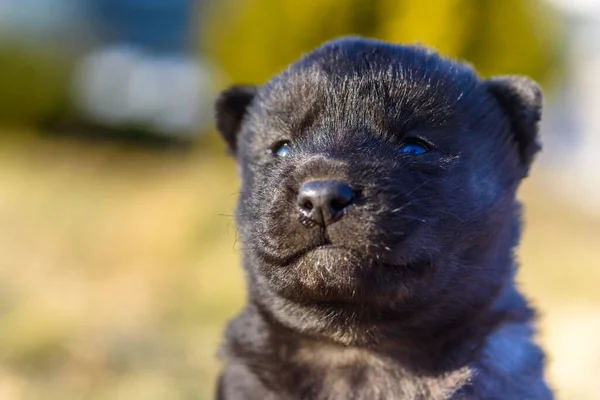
{"x": 520, "y": 98}
{"x": 230, "y": 108}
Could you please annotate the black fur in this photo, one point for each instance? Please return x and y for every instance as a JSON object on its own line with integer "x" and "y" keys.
{"x": 231, "y": 106}
{"x": 522, "y": 101}
{"x": 414, "y": 298}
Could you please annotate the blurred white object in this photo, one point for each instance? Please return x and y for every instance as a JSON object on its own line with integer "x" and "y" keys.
{"x": 573, "y": 117}
{"x": 121, "y": 85}
{"x": 579, "y": 7}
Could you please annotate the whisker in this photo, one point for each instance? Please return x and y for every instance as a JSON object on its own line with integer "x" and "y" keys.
{"x": 402, "y": 207}
{"x": 413, "y": 218}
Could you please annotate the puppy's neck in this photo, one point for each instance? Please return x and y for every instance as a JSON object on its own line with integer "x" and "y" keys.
{"x": 495, "y": 345}
{"x": 436, "y": 350}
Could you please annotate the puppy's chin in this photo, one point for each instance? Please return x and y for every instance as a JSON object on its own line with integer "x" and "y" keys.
{"x": 335, "y": 274}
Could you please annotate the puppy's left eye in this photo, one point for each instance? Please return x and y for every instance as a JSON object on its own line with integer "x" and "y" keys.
{"x": 280, "y": 149}
{"x": 414, "y": 147}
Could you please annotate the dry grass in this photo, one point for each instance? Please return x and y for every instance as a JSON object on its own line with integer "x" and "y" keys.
{"x": 119, "y": 268}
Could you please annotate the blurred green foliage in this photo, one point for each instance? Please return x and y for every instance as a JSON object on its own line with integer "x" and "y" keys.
{"x": 33, "y": 84}
{"x": 253, "y": 40}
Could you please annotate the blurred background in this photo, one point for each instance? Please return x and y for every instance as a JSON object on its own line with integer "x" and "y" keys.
{"x": 119, "y": 264}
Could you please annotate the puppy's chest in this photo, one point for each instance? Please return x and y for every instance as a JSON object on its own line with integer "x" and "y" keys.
{"x": 324, "y": 374}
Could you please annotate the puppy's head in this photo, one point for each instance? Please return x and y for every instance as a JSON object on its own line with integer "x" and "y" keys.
{"x": 380, "y": 174}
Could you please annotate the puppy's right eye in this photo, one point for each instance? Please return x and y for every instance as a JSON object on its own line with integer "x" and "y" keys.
{"x": 414, "y": 147}
{"x": 281, "y": 149}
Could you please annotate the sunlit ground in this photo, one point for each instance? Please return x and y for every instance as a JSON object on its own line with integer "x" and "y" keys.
{"x": 119, "y": 268}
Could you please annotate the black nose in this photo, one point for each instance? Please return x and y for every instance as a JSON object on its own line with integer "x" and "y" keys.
{"x": 323, "y": 202}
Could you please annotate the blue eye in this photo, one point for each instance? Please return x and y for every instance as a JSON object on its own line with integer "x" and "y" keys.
{"x": 414, "y": 148}
{"x": 281, "y": 149}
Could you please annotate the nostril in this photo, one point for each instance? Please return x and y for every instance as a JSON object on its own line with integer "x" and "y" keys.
{"x": 306, "y": 205}
{"x": 341, "y": 197}
{"x": 338, "y": 205}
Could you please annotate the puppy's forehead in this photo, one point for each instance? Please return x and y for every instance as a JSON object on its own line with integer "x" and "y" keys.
{"x": 353, "y": 82}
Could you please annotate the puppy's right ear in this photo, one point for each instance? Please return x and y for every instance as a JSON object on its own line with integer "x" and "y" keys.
{"x": 231, "y": 107}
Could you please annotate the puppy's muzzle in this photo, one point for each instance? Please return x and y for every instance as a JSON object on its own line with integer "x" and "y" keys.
{"x": 322, "y": 202}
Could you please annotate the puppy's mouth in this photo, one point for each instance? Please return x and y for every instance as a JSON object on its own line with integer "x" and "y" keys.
{"x": 339, "y": 248}
{"x": 329, "y": 252}
{"x": 325, "y": 247}
{"x": 321, "y": 248}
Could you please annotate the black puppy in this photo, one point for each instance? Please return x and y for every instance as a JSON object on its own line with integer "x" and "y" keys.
{"x": 379, "y": 221}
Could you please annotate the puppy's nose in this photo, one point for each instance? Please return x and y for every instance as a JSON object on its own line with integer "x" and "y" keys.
{"x": 323, "y": 202}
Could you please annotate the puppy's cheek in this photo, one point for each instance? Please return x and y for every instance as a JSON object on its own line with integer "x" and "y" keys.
{"x": 483, "y": 187}
{"x": 484, "y": 192}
